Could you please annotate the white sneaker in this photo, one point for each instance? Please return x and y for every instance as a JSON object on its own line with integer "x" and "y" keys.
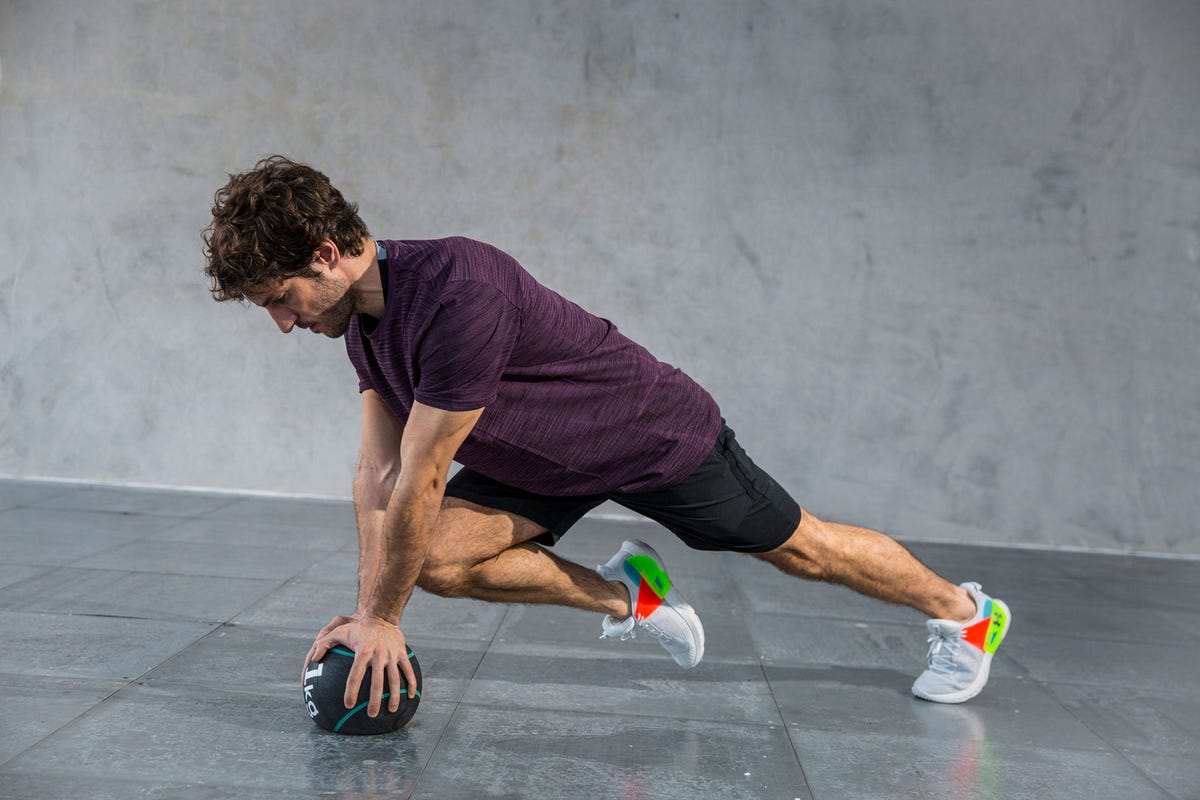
{"x": 960, "y": 653}
{"x": 658, "y": 608}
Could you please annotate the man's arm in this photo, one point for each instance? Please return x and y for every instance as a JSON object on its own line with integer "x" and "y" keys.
{"x": 374, "y": 482}
{"x": 430, "y": 440}
{"x": 393, "y": 536}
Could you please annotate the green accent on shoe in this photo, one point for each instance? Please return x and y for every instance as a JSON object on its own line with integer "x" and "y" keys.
{"x": 654, "y": 575}
{"x": 997, "y": 628}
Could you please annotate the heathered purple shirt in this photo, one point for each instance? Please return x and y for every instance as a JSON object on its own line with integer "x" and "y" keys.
{"x": 572, "y": 406}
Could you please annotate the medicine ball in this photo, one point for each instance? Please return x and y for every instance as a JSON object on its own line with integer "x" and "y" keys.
{"x": 325, "y": 688}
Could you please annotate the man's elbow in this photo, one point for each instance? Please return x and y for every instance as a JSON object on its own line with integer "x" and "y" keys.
{"x": 426, "y": 487}
{"x": 373, "y": 488}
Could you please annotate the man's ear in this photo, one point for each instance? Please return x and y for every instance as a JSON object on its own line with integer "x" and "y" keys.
{"x": 326, "y": 257}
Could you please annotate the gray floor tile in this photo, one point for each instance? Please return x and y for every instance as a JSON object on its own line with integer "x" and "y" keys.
{"x": 1136, "y": 721}
{"x": 15, "y": 573}
{"x": 1014, "y": 711}
{"x": 289, "y": 513}
{"x": 576, "y": 679}
{"x": 51, "y": 537}
{"x": 156, "y": 502}
{"x": 105, "y": 648}
{"x": 1179, "y": 775}
{"x": 544, "y": 755}
{"x": 36, "y": 706}
{"x": 852, "y": 767}
{"x": 452, "y": 617}
{"x": 307, "y": 607}
{"x": 262, "y": 742}
{"x": 339, "y": 568}
{"x": 1106, "y": 567}
{"x": 1042, "y": 608}
{"x": 54, "y": 785}
{"x": 1183, "y": 626}
{"x": 14, "y": 493}
{"x": 447, "y": 665}
{"x": 1154, "y": 667}
{"x": 210, "y": 531}
{"x": 1153, "y": 595}
{"x": 788, "y": 638}
{"x": 301, "y": 606}
{"x": 768, "y": 590}
{"x": 726, "y": 636}
{"x": 205, "y": 558}
{"x": 578, "y": 630}
{"x": 149, "y": 595}
{"x": 235, "y": 658}
{"x": 958, "y": 563}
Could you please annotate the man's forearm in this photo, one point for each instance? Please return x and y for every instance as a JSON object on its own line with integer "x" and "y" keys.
{"x": 393, "y": 538}
{"x": 371, "y": 498}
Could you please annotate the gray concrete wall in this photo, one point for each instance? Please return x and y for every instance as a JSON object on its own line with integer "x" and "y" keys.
{"x": 939, "y": 262}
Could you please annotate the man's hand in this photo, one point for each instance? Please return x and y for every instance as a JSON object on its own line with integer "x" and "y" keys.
{"x": 377, "y": 644}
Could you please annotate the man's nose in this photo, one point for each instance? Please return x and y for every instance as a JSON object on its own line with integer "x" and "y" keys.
{"x": 285, "y": 319}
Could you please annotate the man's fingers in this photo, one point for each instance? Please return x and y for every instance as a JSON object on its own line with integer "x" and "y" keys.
{"x": 378, "y": 671}
{"x": 393, "y": 676}
{"x": 354, "y": 680}
{"x": 315, "y": 654}
{"x": 410, "y": 677}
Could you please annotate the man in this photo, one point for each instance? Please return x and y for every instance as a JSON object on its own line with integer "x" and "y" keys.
{"x": 462, "y": 355}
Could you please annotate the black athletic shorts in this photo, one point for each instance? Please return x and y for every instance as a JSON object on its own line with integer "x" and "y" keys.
{"x": 728, "y": 503}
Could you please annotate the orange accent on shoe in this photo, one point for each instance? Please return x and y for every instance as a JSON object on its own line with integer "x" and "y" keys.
{"x": 976, "y": 634}
{"x": 647, "y": 601}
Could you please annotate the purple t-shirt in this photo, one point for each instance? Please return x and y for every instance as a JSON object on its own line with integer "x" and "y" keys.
{"x": 572, "y": 406}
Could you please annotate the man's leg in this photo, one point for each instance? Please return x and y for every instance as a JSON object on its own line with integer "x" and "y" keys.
{"x": 869, "y": 563}
{"x": 487, "y": 554}
{"x": 966, "y": 626}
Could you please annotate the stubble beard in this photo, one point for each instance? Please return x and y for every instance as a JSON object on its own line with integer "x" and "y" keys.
{"x": 335, "y": 319}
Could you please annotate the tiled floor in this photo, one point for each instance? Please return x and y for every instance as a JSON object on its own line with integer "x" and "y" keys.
{"x": 153, "y": 643}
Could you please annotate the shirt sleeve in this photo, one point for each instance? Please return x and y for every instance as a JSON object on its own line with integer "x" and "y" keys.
{"x": 463, "y": 352}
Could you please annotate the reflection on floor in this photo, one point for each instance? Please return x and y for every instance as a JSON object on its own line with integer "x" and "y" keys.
{"x": 153, "y": 645}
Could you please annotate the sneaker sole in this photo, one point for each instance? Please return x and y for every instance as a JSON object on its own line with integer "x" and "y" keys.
{"x": 981, "y": 679}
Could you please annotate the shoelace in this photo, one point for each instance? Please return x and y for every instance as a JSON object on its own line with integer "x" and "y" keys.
{"x": 662, "y": 636}
{"x": 943, "y": 651}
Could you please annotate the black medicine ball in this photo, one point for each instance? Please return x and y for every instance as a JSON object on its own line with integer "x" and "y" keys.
{"x": 325, "y": 688}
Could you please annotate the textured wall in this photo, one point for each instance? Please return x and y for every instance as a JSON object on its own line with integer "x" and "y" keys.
{"x": 937, "y": 261}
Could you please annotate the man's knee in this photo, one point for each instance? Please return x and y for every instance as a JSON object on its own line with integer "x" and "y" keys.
{"x": 442, "y": 573}
{"x": 805, "y": 553}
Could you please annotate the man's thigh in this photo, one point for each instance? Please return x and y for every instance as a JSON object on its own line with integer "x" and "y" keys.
{"x": 476, "y": 506}
{"x": 728, "y": 503}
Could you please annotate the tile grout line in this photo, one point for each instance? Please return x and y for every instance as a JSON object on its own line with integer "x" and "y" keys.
{"x": 744, "y": 601}
{"x": 132, "y": 681}
{"x": 458, "y": 703}
{"x": 72, "y": 721}
{"x": 1048, "y": 688}
{"x": 91, "y": 709}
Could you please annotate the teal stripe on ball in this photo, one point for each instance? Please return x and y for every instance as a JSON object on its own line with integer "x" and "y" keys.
{"x": 354, "y": 711}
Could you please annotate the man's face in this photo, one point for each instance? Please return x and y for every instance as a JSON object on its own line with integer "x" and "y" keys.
{"x": 321, "y": 304}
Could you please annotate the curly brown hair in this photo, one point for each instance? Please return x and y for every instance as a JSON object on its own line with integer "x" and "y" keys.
{"x": 268, "y": 223}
